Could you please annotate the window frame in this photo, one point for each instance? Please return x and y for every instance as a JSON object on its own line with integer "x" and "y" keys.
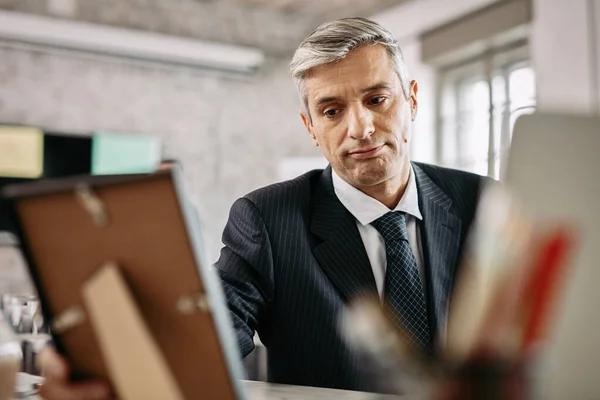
{"x": 501, "y": 61}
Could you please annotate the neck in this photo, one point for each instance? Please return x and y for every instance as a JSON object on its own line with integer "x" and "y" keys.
{"x": 390, "y": 191}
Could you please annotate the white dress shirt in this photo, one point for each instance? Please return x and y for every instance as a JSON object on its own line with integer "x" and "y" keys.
{"x": 366, "y": 209}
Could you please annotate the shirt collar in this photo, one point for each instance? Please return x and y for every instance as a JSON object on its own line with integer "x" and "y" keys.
{"x": 366, "y": 209}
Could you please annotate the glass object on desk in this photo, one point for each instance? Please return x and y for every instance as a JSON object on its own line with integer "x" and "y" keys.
{"x": 20, "y": 307}
{"x": 22, "y": 313}
{"x": 18, "y": 301}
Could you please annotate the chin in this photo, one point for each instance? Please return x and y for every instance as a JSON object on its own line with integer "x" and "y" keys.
{"x": 371, "y": 177}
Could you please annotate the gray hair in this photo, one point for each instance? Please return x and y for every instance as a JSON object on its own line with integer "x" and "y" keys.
{"x": 332, "y": 41}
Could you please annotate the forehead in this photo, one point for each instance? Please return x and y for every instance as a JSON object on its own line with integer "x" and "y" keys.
{"x": 361, "y": 68}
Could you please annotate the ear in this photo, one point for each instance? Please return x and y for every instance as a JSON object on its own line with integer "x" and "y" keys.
{"x": 414, "y": 105}
{"x": 309, "y": 127}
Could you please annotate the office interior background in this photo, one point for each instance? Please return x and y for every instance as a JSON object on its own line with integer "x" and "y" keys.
{"x": 208, "y": 79}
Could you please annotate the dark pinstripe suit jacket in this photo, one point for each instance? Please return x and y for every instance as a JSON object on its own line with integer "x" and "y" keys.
{"x": 293, "y": 256}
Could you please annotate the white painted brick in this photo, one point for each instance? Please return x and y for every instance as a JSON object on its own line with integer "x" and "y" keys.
{"x": 229, "y": 134}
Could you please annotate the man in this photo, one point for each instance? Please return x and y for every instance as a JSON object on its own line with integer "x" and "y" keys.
{"x": 372, "y": 222}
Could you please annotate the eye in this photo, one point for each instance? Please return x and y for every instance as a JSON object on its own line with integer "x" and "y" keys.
{"x": 375, "y": 101}
{"x": 332, "y": 112}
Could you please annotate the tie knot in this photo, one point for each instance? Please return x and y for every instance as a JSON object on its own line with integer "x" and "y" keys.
{"x": 392, "y": 226}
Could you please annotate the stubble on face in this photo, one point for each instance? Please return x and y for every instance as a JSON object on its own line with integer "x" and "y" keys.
{"x": 346, "y": 83}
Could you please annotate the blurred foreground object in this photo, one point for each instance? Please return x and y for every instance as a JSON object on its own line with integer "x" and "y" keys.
{"x": 500, "y": 312}
{"x": 524, "y": 316}
{"x": 505, "y": 300}
{"x": 100, "y": 253}
{"x": 553, "y": 169}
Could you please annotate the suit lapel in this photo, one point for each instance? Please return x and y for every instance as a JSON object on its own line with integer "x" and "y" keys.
{"x": 341, "y": 254}
{"x": 440, "y": 236}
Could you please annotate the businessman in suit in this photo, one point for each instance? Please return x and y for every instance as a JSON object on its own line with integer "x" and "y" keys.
{"x": 295, "y": 253}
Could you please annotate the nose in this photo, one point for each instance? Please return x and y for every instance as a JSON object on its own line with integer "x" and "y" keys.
{"x": 360, "y": 122}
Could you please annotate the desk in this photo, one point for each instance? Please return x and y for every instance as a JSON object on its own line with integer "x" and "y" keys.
{"x": 269, "y": 391}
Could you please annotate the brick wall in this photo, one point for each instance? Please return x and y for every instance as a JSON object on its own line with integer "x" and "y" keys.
{"x": 220, "y": 21}
{"x": 230, "y": 132}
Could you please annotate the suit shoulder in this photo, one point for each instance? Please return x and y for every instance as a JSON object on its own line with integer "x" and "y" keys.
{"x": 442, "y": 175}
{"x": 462, "y": 187}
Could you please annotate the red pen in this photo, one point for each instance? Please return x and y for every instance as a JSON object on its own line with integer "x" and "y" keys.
{"x": 544, "y": 283}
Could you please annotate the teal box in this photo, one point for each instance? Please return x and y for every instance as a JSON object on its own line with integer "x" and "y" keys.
{"x": 116, "y": 153}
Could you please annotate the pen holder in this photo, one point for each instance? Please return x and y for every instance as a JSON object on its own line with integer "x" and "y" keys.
{"x": 487, "y": 379}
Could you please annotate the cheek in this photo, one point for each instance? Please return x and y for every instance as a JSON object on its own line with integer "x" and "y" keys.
{"x": 331, "y": 137}
{"x": 389, "y": 123}
{"x": 325, "y": 144}
{"x": 398, "y": 123}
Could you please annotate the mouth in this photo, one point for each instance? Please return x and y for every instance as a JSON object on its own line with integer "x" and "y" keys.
{"x": 368, "y": 152}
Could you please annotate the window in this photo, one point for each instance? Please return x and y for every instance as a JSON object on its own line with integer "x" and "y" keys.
{"x": 480, "y": 102}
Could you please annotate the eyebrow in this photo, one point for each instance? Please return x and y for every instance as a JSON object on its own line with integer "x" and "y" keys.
{"x": 377, "y": 86}
{"x": 324, "y": 100}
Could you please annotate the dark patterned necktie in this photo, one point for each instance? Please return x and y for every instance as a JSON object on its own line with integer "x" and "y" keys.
{"x": 403, "y": 290}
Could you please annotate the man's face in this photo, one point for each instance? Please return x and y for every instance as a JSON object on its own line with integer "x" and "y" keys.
{"x": 360, "y": 117}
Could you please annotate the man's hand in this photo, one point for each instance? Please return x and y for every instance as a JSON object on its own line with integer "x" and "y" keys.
{"x": 57, "y": 386}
